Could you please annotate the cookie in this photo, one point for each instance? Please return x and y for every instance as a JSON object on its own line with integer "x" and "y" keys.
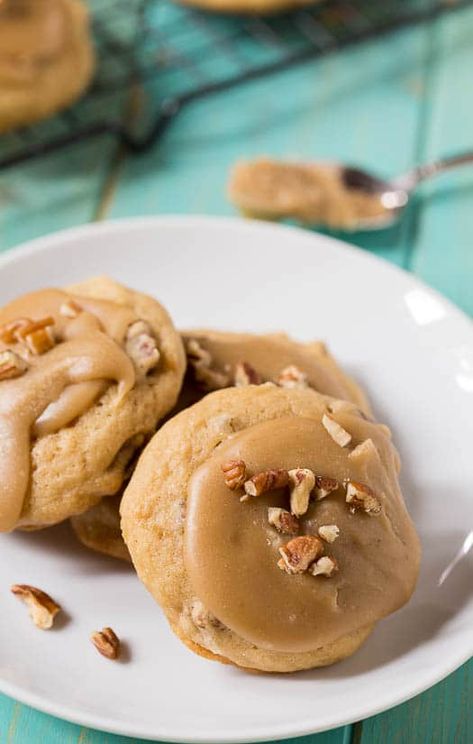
{"x": 215, "y": 359}
{"x": 219, "y": 359}
{"x": 85, "y": 375}
{"x": 46, "y": 58}
{"x": 99, "y": 529}
{"x": 269, "y": 525}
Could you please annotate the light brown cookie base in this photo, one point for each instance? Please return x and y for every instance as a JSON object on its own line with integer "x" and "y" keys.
{"x": 59, "y": 83}
{"x": 75, "y": 467}
{"x": 99, "y": 529}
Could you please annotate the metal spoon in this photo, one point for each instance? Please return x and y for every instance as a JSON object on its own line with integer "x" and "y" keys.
{"x": 394, "y": 195}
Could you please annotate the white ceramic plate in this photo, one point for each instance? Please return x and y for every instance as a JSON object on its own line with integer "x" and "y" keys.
{"x": 414, "y": 352}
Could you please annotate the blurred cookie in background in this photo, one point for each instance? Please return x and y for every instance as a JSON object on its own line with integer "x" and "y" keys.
{"x": 46, "y": 58}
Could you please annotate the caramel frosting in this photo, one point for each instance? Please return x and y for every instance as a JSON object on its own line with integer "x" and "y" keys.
{"x": 268, "y": 356}
{"x": 313, "y": 193}
{"x": 232, "y": 549}
{"x": 33, "y": 33}
{"x": 59, "y": 353}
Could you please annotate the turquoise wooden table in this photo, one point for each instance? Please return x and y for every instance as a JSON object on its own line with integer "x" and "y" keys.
{"x": 387, "y": 104}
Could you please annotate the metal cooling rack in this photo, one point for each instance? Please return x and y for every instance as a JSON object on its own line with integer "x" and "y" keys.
{"x": 156, "y": 57}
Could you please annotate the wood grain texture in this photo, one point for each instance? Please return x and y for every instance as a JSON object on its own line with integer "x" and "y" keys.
{"x": 442, "y": 715}
{"x": 387, "y": 105}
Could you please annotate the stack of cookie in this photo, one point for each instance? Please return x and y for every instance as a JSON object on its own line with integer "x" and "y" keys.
{"x": 264, "y": 515}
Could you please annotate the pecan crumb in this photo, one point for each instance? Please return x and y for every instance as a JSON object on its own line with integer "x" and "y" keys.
{"x": 245, "y": 375}
{"x": 202, "y": 618}
{"x": 302, "y": 482}
{"x": 299, "y": 553}
{"x": 325, "y": 566}
{"x": 364, "y": 452}
{"x": 70, "y": 309}
{"x": 337, "y": 432}
{"x": 292, "y": 377}
{"x": 106, "y": 642}
{"x": 234, "y": 473}
{"x": 266, "y": 480}
{"x": 11, "y": 365}
{"x": 141, "y": 347}
{"x": 201, "y": 360}
{"x": 360, "y": 496}
{"x": 324, "y": 486}
{"x": 329, "y": 532}
{"x": 41, "y": 607}
{"x": 40, "y": 341}
{"x": 283, "y": 520}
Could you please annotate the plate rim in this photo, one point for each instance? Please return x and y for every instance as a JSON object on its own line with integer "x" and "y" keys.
{"x": 74, "y": 715}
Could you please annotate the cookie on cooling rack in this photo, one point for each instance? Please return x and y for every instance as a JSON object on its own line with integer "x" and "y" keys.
{"x": 85, "y": 375}
{"x": 269, "y": 525}
{"x": 46, "y": 58}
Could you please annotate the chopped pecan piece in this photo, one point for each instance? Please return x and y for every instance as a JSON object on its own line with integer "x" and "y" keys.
{"x": 8, "y": 331}
{"x": 36, "y": 334}
{"x": 329, "y": 532}
{"x": 201, "y": 360}
{"x": 360, "y": 496}
{"x": 234, "y": 473}
{"x": 364, "y": 452}
{"x": 40, "y": 341}
{"x": 245, "y": 375}
{"x": 42, "y": 608}
{"x": 267, "y": 480}
{"x": 292, "y": 377}
{"x": 325, "y": 566}
{"x": 283, "y": 520}
{"x": 302, "y": 482}
{"x": 324, "y": 486}
{"x": 299, "y": 553}
{"x": 141, "y": 347}
{"x": 202, "y": 618}
{"x": 337, "y": 432}
{"x": 106, "y": 642}
{"x": 11, "y": 365}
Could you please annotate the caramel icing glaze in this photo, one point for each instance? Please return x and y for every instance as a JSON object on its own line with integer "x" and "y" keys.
{"x": 33, "y": 33}
{"x": 58, "y": 385}
{"x": 269, "y": 354}
{"x": 231, "y": 551}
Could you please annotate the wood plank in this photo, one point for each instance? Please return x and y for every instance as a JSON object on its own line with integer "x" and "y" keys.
{"x": 20, "y": 724}
{"x": 443, "y": 254}
{"x": 442, "y": 715}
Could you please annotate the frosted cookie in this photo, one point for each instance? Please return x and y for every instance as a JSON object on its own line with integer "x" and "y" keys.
{"x": 85, "y": 374}
{"x": 269, "y": 525}
{"x": 219, "y": 359}
{"x": 46, "y": 58}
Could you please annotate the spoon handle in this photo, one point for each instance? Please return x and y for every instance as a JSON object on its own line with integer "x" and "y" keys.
{"x": 423, "y": 172}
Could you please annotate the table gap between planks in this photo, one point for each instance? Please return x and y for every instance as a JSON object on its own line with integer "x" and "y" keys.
{"x": 387, "y": 105}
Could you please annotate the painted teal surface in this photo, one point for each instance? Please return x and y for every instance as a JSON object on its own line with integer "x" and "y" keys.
{"x": 388, "y": 105}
